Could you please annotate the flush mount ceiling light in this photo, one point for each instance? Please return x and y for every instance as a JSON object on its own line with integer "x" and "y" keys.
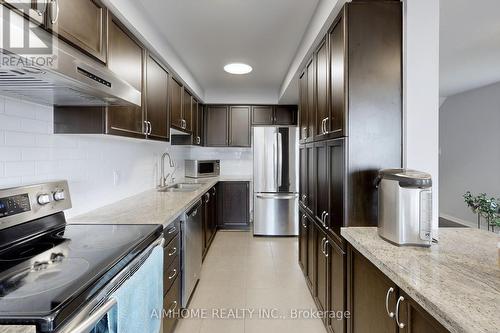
{"x": 238, "y": 68}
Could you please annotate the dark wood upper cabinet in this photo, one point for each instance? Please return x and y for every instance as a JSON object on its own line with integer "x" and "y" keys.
{"x": 197, "y": 109}
{"x": 303, "y": 175}
{"x": 311, "y": 180}
{"x": 262, "y": 115}
{"x": 311, "y": 99}
{"x": 216, "y": 122}
{"x": 125, "y": 58}
{"x": 303, "y": 110}
{"x": 322, "y": 103}
{"x": 336, "y": 150}
{"x": 157, "y": 100}
{"x": 81, "y": 23}
{"x": 274, "y": 115}
{"x": 336, "y": 123}
{"x": 285, "y": 115}
{"x": 239, "y": 126}
{"x": 235, "y": 205}
{"x": 176, "y": 95}
{"x": 187, "y": 112}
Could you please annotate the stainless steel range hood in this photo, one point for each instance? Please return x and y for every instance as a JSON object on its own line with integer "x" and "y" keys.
{"x": 73, "y": 79}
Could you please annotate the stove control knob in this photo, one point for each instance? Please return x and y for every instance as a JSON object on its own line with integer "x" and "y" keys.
{"x": 43, "y": 199}
{"x": 59, "y": 195}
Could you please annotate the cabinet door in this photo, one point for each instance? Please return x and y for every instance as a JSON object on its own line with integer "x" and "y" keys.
{"x": 216, "y": 126}
{"x": 336, "y": 184}
{"x": 311, "y": 255}
{"x": 303, "y": 110}
{"x": 235, "y": 205}
{"x": 321, "y": 179}
{"x": 311, "y": 183}
{"x": 205, "y": 221}
{"x": 336, "y": 286}
{"x": 368, "y": 290}
{"x": 125, "y": 58}
{"x": 311, "y": 99}
{"x": 303, "y": 175}
{"x": 321, "y": 60}
{"x": 213, "y": 210}
{"x": 262, "y": 115}
{"x": 200, "y": 121}
{"x": 196, "y": 122}
{"x": 415, "y": 319}
{"x": 303, "y": 237}
{"x": 239, "y": 126}
{"x": 285, "y": 115}
{"x": 337, "y": 120}
{"x": 187, "y": 112}
{"x": 157, "y": 100}
{"x": 321, "y": 270}
{"x": 81, "y": 23}
{"x": 176, "y": 104}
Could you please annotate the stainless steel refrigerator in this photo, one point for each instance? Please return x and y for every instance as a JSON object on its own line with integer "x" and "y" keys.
{"x": 276, "y": 174}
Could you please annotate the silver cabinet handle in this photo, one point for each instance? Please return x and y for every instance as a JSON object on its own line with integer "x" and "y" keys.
{"x": 304, "y": 198}
{"x": 325, "y": 129}
{"x": 54, "y": 8}
{"x": 389, "y": 292}
{"x": 150, "y": 128}
{"x": 323, "y": 245}
{"x": 91, "y": 321}
{"x": 326, "y": 252}
{"x": 207, "y": 196}
{"x": 323, "y": 217}
{"x": 304, "y": 225}
{"x": 146, "y": 127}
{"x": 400, "y": 300}
{"x": 174, "y": 273}
{"x": 324, "y": 221}
{"x": 171, "y": 253}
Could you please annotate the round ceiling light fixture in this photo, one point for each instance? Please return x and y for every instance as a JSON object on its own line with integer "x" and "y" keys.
{"x": 238, "y": 68}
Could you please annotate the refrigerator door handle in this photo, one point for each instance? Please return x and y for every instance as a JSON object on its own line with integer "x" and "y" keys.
{"x": 280, "y": 159}
{"x": 277, "y": 197}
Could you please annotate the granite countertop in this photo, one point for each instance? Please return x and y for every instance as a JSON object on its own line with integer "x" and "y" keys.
{"x": 457, "y": 280}
{"x": 17, "y": 329}
{"x": 152, "y": 207}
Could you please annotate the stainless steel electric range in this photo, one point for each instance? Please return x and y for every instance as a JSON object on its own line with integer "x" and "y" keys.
{"x": 59, "y": 277}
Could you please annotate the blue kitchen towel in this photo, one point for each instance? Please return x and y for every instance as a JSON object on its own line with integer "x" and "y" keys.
{"x": 140, "y": 299}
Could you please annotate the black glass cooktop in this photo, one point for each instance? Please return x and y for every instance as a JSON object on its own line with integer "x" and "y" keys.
{"x": 56, "y": 272}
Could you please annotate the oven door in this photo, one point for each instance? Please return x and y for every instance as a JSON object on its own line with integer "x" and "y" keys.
{"x": 92, "y": 321}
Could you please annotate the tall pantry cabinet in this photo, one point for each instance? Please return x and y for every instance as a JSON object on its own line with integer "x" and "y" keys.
{"x": 351, "y": 127}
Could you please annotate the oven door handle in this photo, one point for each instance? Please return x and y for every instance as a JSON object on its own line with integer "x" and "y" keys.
{"x": 89, "y": 323}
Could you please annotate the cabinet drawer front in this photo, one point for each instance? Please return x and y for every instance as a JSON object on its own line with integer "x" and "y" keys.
{"x": 170, "y": 274}
{"x": 172, "y": 250}
{"x": 171, "y": 302}
{"x": 171, "y": 231}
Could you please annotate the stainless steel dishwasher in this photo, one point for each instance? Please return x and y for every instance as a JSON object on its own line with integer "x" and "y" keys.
{"x": 192, "y": 251}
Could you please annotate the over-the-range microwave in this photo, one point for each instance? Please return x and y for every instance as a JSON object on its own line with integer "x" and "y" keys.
{"x": 202, "y": 169}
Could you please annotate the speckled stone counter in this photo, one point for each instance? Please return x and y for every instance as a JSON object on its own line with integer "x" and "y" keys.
{"x": 457, "y": 281}
{"x": 152, "y": 207}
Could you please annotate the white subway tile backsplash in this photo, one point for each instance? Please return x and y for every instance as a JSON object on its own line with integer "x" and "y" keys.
{"x": 19, "y": 108}
{"x": 35, "y": 126}
{"x": 17, "y": 169}
{"x": 45, "y": 113}
{"x": 19, "y": 139}
{"x": 10, "y": 154}
{"x": 36, "y": 154}
{"x": 2, "y": 166}
{"x": 10, "y": 123}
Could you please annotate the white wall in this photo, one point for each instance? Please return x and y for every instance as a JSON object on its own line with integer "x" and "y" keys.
{"x": 470, "y": 156}
{"x": 29, "y": 153}
{"x": 421, "y": 91}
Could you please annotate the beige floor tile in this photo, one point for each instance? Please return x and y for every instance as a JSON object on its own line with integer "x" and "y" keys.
{"x": 188, "y": 326}
{"x": 222, "y": 326}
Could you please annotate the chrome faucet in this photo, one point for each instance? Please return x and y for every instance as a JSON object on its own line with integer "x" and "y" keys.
{"x": 163, "y": 178}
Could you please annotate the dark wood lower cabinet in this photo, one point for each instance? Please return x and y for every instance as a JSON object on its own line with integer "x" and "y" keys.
{"x": 321, "y": 270}
{"x": 235, "y": 205}
{"x": 369, "y": 290}
{"x": 336, "y": 287}
{"x": 209, "y": 218}
{"x": 172, "y": 276}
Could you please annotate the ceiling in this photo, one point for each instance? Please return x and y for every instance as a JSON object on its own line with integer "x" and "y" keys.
{"x": 469, "y": 45}
{"x": 208, "y": 34}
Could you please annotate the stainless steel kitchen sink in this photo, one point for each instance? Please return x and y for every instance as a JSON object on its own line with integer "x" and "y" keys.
{"x": 181, "y": 187}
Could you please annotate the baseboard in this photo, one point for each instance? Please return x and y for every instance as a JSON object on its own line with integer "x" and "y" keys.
{"x": 458, "y": 220}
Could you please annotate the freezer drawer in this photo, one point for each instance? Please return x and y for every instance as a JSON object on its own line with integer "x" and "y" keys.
{"x": 276, "y": 214}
